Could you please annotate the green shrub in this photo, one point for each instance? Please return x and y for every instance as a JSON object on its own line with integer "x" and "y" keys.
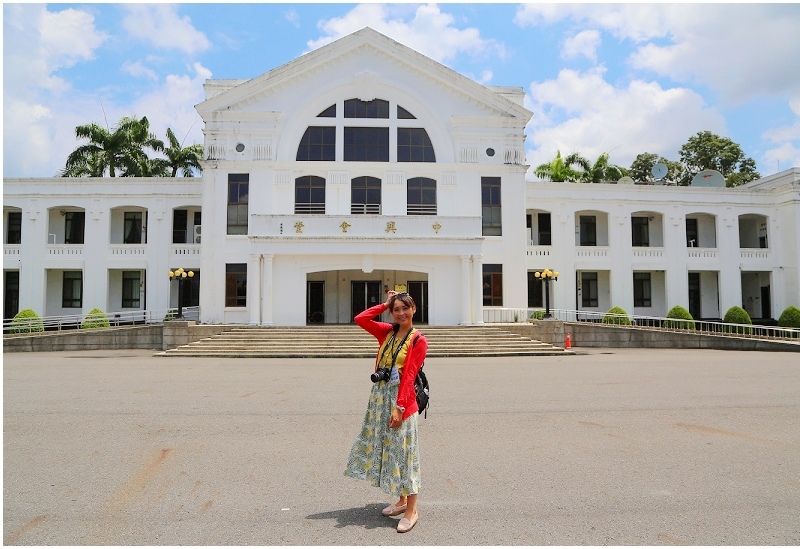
{"x": 683, "y": 318}
{"x": 790, "y": 318}
{"x": 537, "y": 315}
{"x": 95, "y": 319}
{"x": 170, "y": 315}
{"x": 737, "y": 315}
{"x": 26, "y": 321}
{"x": 617, "y": 315}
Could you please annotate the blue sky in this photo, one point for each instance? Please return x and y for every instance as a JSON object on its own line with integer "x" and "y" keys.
{"x": 623, "y": 78}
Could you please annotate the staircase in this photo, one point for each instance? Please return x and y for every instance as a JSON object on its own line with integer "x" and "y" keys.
{"x": 335, "y": 341}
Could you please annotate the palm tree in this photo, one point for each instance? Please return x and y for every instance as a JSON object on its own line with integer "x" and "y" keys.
{"x": 182, "y": 159}
{"x": 109, "y": 151}
{"x": 602, "y": 170}
{"x": 561, "y": 169}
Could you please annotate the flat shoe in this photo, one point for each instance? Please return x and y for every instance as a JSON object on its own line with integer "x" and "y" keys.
{"x": 405, "y": 525}
{"x": 394, "y": 510}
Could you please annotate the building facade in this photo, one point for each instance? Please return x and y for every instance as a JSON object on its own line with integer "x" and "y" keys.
{"x": 364, "y": 166}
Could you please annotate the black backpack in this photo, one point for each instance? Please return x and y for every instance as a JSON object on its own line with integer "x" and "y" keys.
{"x": 422, "y": 389}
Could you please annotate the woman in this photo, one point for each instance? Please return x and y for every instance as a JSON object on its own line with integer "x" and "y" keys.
{"x": 386, "y": 452}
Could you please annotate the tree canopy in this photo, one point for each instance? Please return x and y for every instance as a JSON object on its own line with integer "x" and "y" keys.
{"x": 562, "y": 169}
{"x": 708, "y": 151}
{"x": 123, "y": 152}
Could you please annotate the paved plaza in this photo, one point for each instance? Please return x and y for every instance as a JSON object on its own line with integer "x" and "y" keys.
{"x": 607, "y": 447}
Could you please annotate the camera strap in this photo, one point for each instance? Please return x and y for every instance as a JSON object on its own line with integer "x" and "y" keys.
{"x": 389, "y": 344}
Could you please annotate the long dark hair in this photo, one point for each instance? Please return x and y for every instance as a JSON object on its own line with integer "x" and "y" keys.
{"x": 405, "y": 298}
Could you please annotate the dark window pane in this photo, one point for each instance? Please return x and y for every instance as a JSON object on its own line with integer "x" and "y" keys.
{"x": 414, "y": 145}
{"x": 403, "y": 114}
{"x": 356, "y": 108}
{"x": 14, "y": 234}
{"x": 366, "y": 144}
{"x": 238, "y": 189}
{"x": 309, "y": 194}
{"x": 317, "y": 144}
{"x": 330, "y": 112}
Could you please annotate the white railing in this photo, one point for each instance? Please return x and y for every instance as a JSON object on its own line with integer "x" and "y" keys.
{"x": 507, "y": 315}
{"x": 121, "y": 318}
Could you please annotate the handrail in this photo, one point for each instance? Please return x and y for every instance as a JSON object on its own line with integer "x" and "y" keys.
{"x": 121, "y": 318}
{"x": 755, "y": 331}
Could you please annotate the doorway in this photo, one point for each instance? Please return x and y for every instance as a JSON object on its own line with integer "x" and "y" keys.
{"x": 694, "y": 295}
{"x": 365, "y": 294}
{"x": 315, "y": 302}
{"x": 766, "y": 305}
{"x": 11, "y": 294}
{"x": 419, "y": 293}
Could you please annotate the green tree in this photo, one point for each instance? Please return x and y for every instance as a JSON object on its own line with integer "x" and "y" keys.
{"x": 182, "y": 159}
{"x": 708, "y": 151}
{"x": 602, "y": 170}
{"x": 563, "y": 169}
{"x": 642, "y": 168}
{"x": 111, "y": 151}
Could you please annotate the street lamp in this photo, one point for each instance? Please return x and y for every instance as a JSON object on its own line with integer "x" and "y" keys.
{"x": 547, "y": 275}
{"x": 181, "y": 275}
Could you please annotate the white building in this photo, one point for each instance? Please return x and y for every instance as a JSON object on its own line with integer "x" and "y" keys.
{"x": 365, "y": 165}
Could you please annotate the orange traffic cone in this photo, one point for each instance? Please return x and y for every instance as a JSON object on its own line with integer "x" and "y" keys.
{"x": 568, "y": 341}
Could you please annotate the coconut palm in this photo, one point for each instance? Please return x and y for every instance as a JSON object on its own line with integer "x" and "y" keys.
{"x": 110, "y": 151}
{"x": 563, "y": 169}
{"x": 602, "y": 170}
{"x": 182, "y": 159}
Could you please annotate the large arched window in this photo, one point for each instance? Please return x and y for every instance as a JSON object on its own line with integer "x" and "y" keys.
{"x": 318, "y": 143}
{"x": 421, "y": 196}
{"x": 365, "y": 195}
{"x": 309, "y": 195}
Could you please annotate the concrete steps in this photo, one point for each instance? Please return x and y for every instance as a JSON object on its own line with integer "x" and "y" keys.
{"x": 353, "y": 342}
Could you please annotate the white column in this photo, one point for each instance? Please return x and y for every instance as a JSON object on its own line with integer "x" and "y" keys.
{"x": 466, "y": 294}
{"x": 267, "y": 318}
{"x": 254, "y": 283}
{"x": 477, "y": 289}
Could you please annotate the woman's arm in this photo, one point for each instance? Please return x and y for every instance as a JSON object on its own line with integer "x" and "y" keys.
{"x": 377, "y": 329}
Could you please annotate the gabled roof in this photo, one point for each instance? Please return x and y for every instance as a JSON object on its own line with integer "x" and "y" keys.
{"x": 365, "y": 37}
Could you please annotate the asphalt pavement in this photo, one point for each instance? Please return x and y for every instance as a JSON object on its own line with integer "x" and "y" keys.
{"x": 607, "y": 447}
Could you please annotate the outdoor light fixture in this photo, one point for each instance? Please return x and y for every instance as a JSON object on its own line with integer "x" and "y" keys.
{"x": 180, "y": 275}
{"x": 546, "y": 276}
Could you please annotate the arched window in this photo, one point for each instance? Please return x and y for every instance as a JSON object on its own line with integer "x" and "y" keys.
{"x": 421, "y": 196}
{"x": 318, "y": 143}
{"x": 414, "y": 145}
{"x": 365, "y": 195}
{"x": 356, "y": 108}
{"x": 309, "y": 195}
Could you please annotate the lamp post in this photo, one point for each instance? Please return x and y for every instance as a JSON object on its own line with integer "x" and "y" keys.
{"x": 181, "y": 275}
{"x": 547, "y": 275}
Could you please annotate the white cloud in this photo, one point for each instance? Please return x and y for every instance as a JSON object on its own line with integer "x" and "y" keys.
{"x": 424, "y": 28}
{"x": 784, "y": 142}
{"x": 160, "y": 26}
{"x": 139, "y": 69}
{"x": 583, "y": 44}
{"x": 292, "y": 17}
{"x": 581, "y": 112}
{"x": 740, "y": 50}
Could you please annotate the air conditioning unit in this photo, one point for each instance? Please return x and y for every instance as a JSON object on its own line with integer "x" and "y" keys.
{"x": 197, "y": 234}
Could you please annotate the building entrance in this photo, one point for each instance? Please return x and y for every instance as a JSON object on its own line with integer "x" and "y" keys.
{"x": 365, "y": 294}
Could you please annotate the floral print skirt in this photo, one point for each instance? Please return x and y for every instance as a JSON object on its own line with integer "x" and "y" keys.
{"x": 387, "y": 458}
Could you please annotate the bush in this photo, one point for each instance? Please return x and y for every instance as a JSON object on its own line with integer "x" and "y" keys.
{"x": 172, "y": 313}
{"x": 737, "y": 315}
{"x": 684, "y": 319}
{"x": 95, "y": 319}
{"x": 26, "y": 321}
{"x": 537, "y": 315}
{"x": 790, "y": 318}
{"x": 617, "y": 315}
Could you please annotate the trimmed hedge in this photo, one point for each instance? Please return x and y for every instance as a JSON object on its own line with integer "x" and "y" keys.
{"x": 537, "y": 315}
{"x": 737, "y": 315}
{"x": 26, "y": 321}
{"x": 611, "y": 317}
{"x": 790, "y": 318}
{"x": 684, "y": 319}
{"x": 95, "y": 319}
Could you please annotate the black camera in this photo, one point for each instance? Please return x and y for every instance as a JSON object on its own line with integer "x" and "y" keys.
{"x": 382, "y": 374}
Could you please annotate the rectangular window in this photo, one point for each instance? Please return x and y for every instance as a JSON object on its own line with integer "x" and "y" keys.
{"x": 309, "y": 195}
{"x": 356, "y": 108}
{"x": 421, "y": 196}
{"x": 589, "y": 289}
{"x": 180, "y": 220}
{"x": 72, "y": 290}
{"x": 238, "y": 198}
{"x": 544, "y": 229}
{"x": 366, "y": 144}
{"x": 491, "y": 207}
{"x": 641, "y": 290}
{"x": 318, "y": 144}
{"x": 588, "y": 230}
{"x": 73, "y": 227}
{"x": 131, "y": 289}
{"x": 493, "y": 285}
{"x": 640, "y": 231}
{"x": 236, "y": 285}
{"x": 14, "y": 232}
{"x": 691, "y": 233}
{"x": 132, "y": 231}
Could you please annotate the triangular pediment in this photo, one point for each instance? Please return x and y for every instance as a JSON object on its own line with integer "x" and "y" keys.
{"x": 231, "y": 95}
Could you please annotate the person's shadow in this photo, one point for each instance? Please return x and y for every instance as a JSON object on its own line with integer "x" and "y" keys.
{"x": 368, "y": 516}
